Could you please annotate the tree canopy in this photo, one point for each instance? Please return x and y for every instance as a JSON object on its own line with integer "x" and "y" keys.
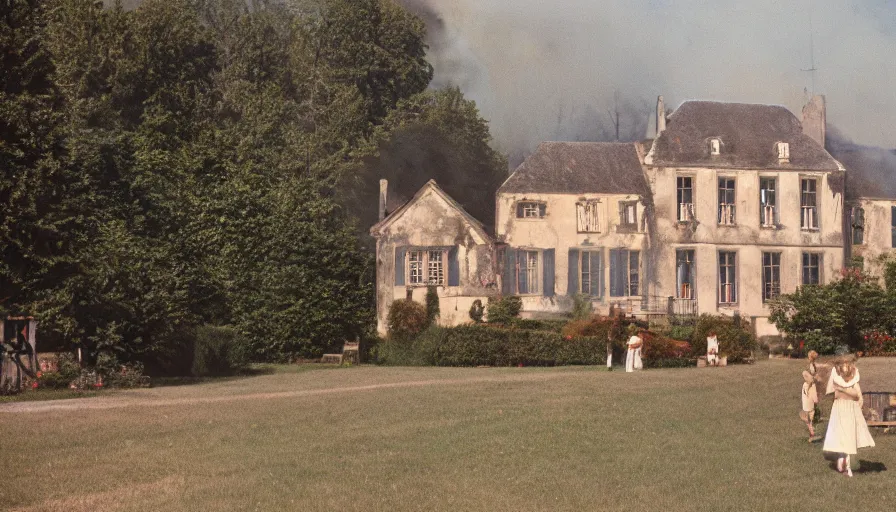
{"x": 196, "y": 162}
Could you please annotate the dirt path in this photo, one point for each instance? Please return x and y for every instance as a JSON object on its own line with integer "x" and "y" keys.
{"x": 122, "y": 401}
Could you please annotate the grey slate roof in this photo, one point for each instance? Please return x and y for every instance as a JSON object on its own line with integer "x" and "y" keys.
{"x": 748, "y": 133}
{"x": 870, "y": 172}
{"x": 578, "y": 168}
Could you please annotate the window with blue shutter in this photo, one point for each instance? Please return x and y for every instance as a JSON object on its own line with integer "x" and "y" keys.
{"x": 548, "y": 281}
{"x": 597, "y": 273}
{"x": 453, "y": 267}
{"x": 572, "y": 286}
{"x": 625, "y": 274}
{"x": 399, "y": 265}
{"x": 508, "y": 277}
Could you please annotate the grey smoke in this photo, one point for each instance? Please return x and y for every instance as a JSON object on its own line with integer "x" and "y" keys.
{"x": 548, "y": 70}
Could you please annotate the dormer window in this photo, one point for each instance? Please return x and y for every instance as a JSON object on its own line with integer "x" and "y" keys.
{"x": 783, "y": 150}
{"x": 530, "y": 210}
{"x": 715, "y": 146}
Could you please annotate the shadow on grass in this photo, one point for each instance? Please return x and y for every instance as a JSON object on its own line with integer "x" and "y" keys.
{"x": 255, "y": 371}
{"x": 865, "y": 466}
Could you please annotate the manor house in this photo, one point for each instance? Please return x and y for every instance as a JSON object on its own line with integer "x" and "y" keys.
{"x": 729, "y": 206}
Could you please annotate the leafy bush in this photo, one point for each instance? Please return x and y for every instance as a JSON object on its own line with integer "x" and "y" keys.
{"x": 504, "y": 309}
{"x": 842, "y": 310}
{"x": 595, "y": 326}
{"x": 114, "y": 374}
{"x": 539, "y": 325}
{"x": 68, "y": 370}
{"x": 432, "y": 304}
{"x": 217, "y": 352}
{"x": 736, "y": 340}
{"x": 681, "y": 332}
{"x": 661, "y": 347}
{"x": 581, "y": 307}
{"x": 406, "y": 319}
{"x": 880, "y": 343}
{"x": 476, "y": 345}
{"x": 819, "y": 342}
{"x": 676, "y": 362}
{"x": 477, "y": 311}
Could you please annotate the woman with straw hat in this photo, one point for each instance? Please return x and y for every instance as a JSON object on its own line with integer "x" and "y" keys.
{"x": 847, "y": 430}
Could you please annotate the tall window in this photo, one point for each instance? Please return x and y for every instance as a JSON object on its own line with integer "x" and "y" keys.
{"x": 858, "y": 225}
{"x": 587, "y": 217}
{"x": 771, "y": 275}
{"x": 726, "y": 201}
{"x": 783, "y": 150}
{"x": 893, "y": 226}
{"x": 426, "y": 267}
{"x": 624, "y": 273}
{"x": 768, "y": 202}
{"x": 530, "y": 210}
{"x": 809, "y": 203}
{"x": 591, "y": 272}
{"x": 811, "y": 268}
{"x": 727, "y": 277}
{"x": 528, "y": 281}
{"x": 628, "y": 214}
{"x": 685, "y": 274}
{"x": 685, "y": 198}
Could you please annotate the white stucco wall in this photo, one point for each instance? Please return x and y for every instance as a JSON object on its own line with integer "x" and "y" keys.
{"x": 746, "y": 237}
{"x": 558, "y": 230}
{"x": 878, "y": 242}
{"x": 430, "y": 221}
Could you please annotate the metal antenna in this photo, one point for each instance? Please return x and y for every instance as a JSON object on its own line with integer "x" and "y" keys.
{"x": 812, "y": 69}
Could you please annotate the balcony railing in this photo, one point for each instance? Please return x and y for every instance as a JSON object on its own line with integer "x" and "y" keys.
{"x": 672, "y": 306}
{"x": 809, "y": 217}
{"x": 726, "y": 214}
{"x": 768, "y": 216}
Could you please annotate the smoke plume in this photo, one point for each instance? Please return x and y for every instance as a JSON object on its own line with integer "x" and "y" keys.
{"x": 556, "y": 70}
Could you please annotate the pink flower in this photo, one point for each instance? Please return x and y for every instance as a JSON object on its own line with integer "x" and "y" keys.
{"x": 34, "y": 385}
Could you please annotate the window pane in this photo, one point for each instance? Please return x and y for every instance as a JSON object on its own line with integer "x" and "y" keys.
{"x": 633, "y": 269}
{"x": 436, "y": 273}
{"x": 685, "y": 275}
{"x": 415, "y": 267}
{"x": 727, "y": 277}
{"x": 585, "y": 265}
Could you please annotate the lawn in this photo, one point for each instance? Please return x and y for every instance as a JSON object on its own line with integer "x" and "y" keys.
{"x": 395, "y": 439}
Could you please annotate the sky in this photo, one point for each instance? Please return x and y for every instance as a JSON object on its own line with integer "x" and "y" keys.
{"x": 551, "y": 70}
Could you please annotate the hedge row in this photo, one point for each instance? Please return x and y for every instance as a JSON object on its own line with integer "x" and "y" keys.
{"x": 482, "y": 345}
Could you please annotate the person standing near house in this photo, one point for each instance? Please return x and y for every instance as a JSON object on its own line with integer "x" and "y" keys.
{"x": 633, "y": 355}
{"x": 712, "y": 349}
{"x": 847, "y": 430}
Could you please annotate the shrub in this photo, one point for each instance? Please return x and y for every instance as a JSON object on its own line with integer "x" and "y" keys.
{"x": 114, "y": 374}
{"x": 819, "y": 342}
{"x": 735, "y": 339}
{"x": 217, "y": 352}
{"x": 539, "y": 325}
{"x": 432, "y": 304}
{"x": 68, "y": 370}
{"x": 658, "y": 347}
{"x": 476, "y": 345}
{"x": 681, "y": 332}
{"x": 676, "y": 362}
{"x": 581, "y": 307}
{"x": 594, "y": 326}
{"x": 879, "y": 343}
{"x": 477, "y": 311}
{"x": 406, "y": 319}
{"x": 504, "y": 309}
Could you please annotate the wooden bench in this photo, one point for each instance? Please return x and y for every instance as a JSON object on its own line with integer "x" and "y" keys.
{"x": 351, "y": 353}
{"x": 879, "y": 408}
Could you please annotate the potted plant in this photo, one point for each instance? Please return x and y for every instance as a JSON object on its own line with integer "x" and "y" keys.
{"x": 723, "y": 359}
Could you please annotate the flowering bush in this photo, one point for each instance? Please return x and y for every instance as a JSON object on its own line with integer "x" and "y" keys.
{"x": 879, "y": 343}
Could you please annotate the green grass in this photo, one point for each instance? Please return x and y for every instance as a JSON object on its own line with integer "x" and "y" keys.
{"x": 46, "y": 394}
{"x": 396, "y": 439}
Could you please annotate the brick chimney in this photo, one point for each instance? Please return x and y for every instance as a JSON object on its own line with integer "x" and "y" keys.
{"x": 815, "y": 119}
{"x": 660, "y": 116}
{"x": 384, "y": 189}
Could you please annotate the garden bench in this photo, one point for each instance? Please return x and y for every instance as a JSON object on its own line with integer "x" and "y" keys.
{"x": 350, "y": 353}
{"x": 879, "y": 408}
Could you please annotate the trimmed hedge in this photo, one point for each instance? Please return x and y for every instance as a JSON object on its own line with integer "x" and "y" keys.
{"x": 480, "y": 345}
{"x": 675, "y": 362}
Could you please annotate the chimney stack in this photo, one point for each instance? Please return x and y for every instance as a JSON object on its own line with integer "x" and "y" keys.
{"x": 815, "y": 119}
{"x": 660, "y": 116}
{"x": 384, "y": 189}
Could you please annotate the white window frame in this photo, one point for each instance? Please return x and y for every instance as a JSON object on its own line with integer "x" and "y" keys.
{"x": 531, "y": 210}
{"x": 809, "y": 213}
{"x": 819, "y": 265}
{"x": 585, "y": 258}
{"x": 629, "y": 214}
{"x": 771, "y": 276}
{"x": 783, "y": 151}
{"x": 685, "y": 209}
{"x": 768, "y": 210}
{"x": 727, "y": 210}
{"x": 679, "y": 291}
{"x": 715, "y": 146}
{"x": 588, "y": 216}
{"x": 428, "y": 261}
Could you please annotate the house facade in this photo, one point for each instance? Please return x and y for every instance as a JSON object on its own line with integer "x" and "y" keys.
{"x": 747, "y": 205}
{"x": 729, "y": 206}
{"x": 573, "y": 219}
{"x": 432, "y": 240}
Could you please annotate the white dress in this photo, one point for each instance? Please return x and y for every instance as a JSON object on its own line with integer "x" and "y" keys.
{"x": 712, "y": 350}
{"x": 847, "y": 430}
{"x": 633, "y": 356}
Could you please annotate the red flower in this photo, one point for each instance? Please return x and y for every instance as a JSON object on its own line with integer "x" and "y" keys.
{"x": 568, "y": 338}
{"x": 520, "y": 365}
{"x": 34, "y": 385}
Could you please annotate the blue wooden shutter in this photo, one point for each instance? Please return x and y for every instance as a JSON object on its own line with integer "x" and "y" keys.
{"x": 453, "y": 267}
{"x": 400, "y": 254}
{"x": 597, "y": 273}
{"x": 542, "y": 210}
{"x": 572, "y": 286}
{"x": 508, "y": 278}
{"x": 522, "y": 276}
{"x": 618, "y": 269}
{"x": 548, "y": 281}
{"x": 519, "y": 210}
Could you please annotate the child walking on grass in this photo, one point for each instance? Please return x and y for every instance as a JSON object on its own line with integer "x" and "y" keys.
{"x": 809, "y": 394}
{"x": 847, "y": 429}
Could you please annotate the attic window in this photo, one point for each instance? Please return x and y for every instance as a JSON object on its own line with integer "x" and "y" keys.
{"x": 530, "y": 210}
{"x": 783, "y": 150}
{"x": 715, "y": 146}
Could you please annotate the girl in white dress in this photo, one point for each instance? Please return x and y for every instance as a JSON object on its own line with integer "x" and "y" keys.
{"x": 847, "y": 429}
{"x": 809, "y": 394}
{"x": 712, "y": 349}
{"x": 633, "y": 355}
